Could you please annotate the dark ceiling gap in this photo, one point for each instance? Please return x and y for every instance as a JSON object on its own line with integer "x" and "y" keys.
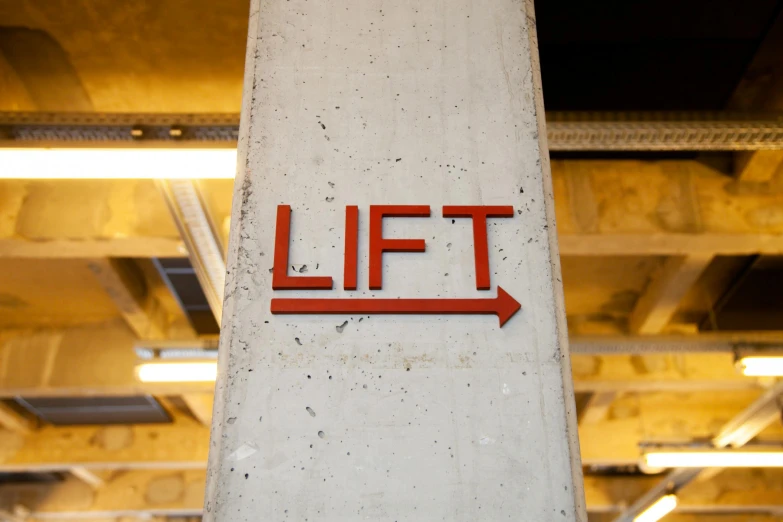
{"x": 181, "y": 279}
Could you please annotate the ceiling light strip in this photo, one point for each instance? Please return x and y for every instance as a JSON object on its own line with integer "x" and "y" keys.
{"x": 737, "y": 432}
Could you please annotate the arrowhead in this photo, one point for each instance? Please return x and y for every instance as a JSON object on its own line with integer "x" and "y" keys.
{"x": 506, "y": 305}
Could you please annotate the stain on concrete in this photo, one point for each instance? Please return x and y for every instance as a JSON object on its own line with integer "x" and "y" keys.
{"x": 11, "y": 301}
{"x": 586, "y": 366}
{"x": 625, "y": 408}
{"x": 113, "y": 438}
{"x": 644, "y": 364}
{"x": 620, "y": 302}
{"x": 165, "y": 490}
{"x": 766, "y": 217}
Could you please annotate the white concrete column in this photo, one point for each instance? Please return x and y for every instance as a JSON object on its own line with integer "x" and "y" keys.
{"x": 416, "y": 417}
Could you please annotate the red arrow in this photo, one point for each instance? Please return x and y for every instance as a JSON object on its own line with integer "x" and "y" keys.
{"x": 504, "y": 306}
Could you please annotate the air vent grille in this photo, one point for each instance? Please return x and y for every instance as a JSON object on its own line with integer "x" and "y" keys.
{"x": 65, "y": 411}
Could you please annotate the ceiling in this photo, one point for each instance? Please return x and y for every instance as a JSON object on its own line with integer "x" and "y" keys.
{"x": 79, "y": 284}
{"x": 189, "y": 56}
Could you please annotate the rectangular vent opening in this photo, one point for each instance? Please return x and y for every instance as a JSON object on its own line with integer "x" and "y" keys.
{"x": 65, "y": 411}
{"x": 180, "y": 277}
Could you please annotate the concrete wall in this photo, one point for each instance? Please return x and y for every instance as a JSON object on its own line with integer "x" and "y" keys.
{"x": 416, "y": 417}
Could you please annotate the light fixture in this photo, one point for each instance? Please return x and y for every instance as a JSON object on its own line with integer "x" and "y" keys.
{"x": 714, "y": 459}
{"x": 191, "y": 371}
{"x": 127, "y": 163}
{"x": 662, "y": 507}
{"x": 760, "y": 365}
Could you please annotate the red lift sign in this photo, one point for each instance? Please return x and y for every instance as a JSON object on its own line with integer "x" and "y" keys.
{"x": 504, "y": 306}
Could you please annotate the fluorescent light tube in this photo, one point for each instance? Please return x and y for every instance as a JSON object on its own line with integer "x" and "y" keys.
{"x": 129, "y": 163}
{"x": 761, "y": 366}
{"x": 662, "y": 507}
{"x": 194, "y": 371}
{"x": 713, "y": 459}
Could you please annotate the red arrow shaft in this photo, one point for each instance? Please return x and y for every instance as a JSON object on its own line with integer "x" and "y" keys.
{"x": 382, "y": 306}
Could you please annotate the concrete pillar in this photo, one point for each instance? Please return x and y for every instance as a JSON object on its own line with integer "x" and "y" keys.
{"x": 361, "y": 416}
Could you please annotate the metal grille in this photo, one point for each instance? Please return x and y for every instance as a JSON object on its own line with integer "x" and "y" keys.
{"x": 664, "y": 136}
{"x": 201, "y": 239}
{"x": 566, "y": 131}
{"x": 81, "y": 128}
{"x": 203, "y": 347}
{"x": 96, "y": 410}
{"x": 726, "y": 342}
{"x": 186, "y": 287}
{"x": 664, "y": 131}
